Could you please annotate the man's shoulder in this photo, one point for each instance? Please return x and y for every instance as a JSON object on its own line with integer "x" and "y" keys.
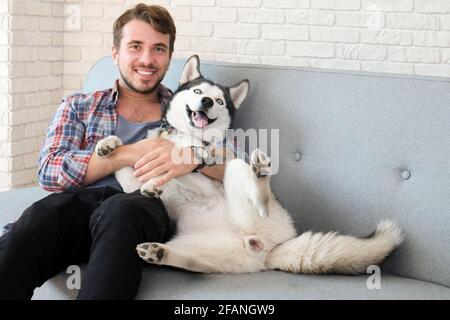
{"x": 91, "y": 100}
{"x": 82, "y": 96}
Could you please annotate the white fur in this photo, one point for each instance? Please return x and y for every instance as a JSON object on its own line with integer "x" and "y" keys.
{"x": 239, "y": 226}
{"x": 214, "y": 233}
{"x": 334, "y": 253}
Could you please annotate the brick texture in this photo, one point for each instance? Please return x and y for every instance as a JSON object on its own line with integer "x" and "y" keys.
{"x": 31, "y": 68}
{"x": 47, "y": 46}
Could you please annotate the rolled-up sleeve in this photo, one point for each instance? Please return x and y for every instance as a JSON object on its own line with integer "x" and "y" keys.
{"x": 62, "y": 160}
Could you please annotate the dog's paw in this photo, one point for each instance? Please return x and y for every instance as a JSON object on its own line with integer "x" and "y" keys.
{"x": 260, "y": 163}
{"x": 150, "y": 191}
{"x": 107, "y": 146}
{"x": 151, "y": 252}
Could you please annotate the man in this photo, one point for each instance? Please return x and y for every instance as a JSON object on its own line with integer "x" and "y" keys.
{"x": 90, "y": 219}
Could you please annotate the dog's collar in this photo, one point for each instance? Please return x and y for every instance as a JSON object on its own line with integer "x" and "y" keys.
{"x": 166, "y": 129}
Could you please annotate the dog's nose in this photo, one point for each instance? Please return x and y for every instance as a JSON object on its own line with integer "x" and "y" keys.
{"x": 207, "y": 102}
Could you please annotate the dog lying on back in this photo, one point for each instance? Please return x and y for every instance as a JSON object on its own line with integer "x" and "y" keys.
{"x": 237, "y": 226}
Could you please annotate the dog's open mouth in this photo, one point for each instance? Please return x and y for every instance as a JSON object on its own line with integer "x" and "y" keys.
{"x": 198, "y": 119}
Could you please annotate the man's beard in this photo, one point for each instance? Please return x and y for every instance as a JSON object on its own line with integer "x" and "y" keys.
{"x": 135, "y": 89}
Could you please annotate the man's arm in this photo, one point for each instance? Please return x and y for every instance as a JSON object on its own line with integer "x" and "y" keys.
{"x": 159, "y": 161}
{"x": 100, "y": 167}
{"x": 216, "y": 172}
{"x": 62, "y": 160}
{"x": 223, "y": 152}
{"x": 123, "y": 156}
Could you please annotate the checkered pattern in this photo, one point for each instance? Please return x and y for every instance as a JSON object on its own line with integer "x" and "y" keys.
{"x": 79, "y": 123}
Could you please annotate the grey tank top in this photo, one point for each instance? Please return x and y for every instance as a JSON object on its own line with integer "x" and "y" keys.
{"x": 128, "y": 132}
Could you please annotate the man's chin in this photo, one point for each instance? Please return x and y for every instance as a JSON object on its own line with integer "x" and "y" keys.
{"x": 143, "y": 89}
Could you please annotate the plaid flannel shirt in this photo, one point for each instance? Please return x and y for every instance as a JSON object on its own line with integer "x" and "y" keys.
{"x": 79, "y": 123}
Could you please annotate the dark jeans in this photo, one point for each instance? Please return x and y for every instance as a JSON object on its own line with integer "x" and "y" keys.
{"x": 99, "y": 226}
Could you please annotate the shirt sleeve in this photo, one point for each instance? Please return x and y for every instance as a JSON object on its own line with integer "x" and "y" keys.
{"x": 62, "y": 160}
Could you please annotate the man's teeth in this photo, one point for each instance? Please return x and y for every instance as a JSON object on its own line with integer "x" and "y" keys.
{"x": 145, "y": 73}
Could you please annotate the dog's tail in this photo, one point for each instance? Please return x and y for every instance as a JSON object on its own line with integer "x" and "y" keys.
{"x": 334, "y": 253}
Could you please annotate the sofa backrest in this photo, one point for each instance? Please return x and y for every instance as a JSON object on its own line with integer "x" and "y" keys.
{"x": 354, "y": 148}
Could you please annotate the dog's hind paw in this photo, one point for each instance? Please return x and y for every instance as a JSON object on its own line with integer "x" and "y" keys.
{"x": 107, "y": 146}
{"x": 151, "y": 252}
{"x": 260, "y": 163}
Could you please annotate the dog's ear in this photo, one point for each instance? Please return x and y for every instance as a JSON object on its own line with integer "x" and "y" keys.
{"x": 191, "y": 70}
{"x": 239, "y": 92}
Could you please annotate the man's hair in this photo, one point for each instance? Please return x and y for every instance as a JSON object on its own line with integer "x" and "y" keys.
{"x": 156, "y": 16}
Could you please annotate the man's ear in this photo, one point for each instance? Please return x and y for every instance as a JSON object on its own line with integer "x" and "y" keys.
{"x": 191, "y": 70}
{"x": 239, "y": 92}
{"x": 115, "y": 55}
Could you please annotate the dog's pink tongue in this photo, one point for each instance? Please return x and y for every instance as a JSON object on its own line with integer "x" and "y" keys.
{"x": 200, "y": 120}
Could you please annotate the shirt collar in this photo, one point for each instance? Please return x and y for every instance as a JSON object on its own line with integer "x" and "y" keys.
{"x": 164, "y": 94}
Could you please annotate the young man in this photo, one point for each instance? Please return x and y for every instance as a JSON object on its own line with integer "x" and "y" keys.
{"x": 89, "y": 218}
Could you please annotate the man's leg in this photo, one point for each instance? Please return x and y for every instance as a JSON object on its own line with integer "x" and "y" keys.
{"x": 117, "y": 226}
{"x": 50, "y": 235}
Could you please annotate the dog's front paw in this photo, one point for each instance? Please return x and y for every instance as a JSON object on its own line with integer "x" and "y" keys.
{"x": 151, "y": 252}
{"x": 107, "y": 146}
{"x": 150, "y": 191}
{"x": 260, "y": 163}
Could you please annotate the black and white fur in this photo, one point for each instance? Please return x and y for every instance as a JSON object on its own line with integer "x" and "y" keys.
{"x": 239, "y": 226}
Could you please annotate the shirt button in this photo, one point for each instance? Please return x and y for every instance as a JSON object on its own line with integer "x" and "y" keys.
{"x": 297, "y": 156}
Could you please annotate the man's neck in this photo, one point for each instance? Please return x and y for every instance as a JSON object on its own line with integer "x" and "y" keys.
{"x": 138, "y": 107}
{"x": 143, "y": 98}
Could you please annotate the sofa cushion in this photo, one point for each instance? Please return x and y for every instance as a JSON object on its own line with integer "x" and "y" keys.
{"x": 13, "y": 203}
{"x": 164, "y": 283}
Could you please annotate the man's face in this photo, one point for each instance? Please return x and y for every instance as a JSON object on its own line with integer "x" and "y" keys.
{"x": 143, "y": 57}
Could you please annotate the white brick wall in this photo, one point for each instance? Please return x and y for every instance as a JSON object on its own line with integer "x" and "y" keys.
{"x": 5, "y": 97}
{"x": 33, "y": 74}
{"x": 394, "y": 36}
{"x": 51, "y": 44}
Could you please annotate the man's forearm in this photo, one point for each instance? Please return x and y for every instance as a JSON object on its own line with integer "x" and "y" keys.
{"x": 100, "y": 167}
{"x": 216, "y": 172}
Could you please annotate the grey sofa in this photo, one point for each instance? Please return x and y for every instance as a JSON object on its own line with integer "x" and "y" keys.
{"x": 354, "y": 148}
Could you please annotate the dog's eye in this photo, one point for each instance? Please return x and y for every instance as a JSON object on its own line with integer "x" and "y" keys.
{"x": 197, "y": 91}
{"x": 220, "y": 101}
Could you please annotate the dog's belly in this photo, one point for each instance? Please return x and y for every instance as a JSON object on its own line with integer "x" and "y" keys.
{"x": 194, "y": 213}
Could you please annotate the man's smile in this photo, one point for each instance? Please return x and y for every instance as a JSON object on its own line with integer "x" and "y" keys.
{"x": 145, "y": 74}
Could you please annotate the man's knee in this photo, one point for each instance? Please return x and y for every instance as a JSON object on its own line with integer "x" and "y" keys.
{"x": 47, "y": 218}
{"x": 40, "y": 215}
{"x": 131, "y": 214}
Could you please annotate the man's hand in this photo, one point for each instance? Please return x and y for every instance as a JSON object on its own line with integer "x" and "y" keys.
{"x": 163, "y": 159}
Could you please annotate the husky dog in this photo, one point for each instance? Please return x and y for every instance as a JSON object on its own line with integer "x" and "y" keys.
{"x": 239, "y": 226}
